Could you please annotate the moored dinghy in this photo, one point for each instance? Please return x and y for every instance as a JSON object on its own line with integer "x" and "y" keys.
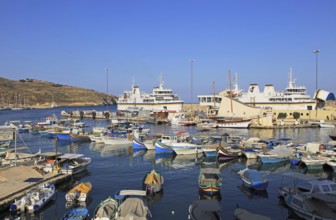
{"x": 77, "y": 214}
{"x": 40, "y": 196}
{"x": 106, "y": 210}
{"x": 209, "y": 181}
{"x": 205, "y": 210}
{"x": 79, "y": 193}
{"x": 153, "y": 182}
{"x": 132, "y": 205}
{"x": 243, "y": 214}
{"x": 253, "y": 179}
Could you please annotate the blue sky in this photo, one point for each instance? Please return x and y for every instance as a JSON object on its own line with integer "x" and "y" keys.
{"x": 73, "y": 42}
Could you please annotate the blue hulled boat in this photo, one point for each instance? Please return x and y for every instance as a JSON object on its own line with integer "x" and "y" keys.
{"x": 161, "y": 148}
{"x": 253, "y": 179}
{"x": 76, "y": 214}
{"x": 138, "y": 145}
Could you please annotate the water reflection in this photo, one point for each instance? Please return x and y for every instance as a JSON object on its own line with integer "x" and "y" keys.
{"x": 250, "y": 193}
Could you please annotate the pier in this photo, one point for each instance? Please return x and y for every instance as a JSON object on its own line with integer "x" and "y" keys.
{"x": 19, "y": 180}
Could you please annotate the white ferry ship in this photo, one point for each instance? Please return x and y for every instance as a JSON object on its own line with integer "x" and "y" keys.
{"x": 161, "y": 99}
{"x": 293, "y": 98}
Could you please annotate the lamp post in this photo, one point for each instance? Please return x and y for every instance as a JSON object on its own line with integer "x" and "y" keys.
{"x": 316, "y": 53}
{"x": 191, "y": 75}
{"x": 107, "y": 88}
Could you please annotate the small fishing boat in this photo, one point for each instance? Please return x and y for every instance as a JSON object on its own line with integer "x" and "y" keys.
{"x": 40, "y": 196}
{"x": 79, "y": 193}
{"x": 243, "y": 214}
{"x": 228, "y": 154}
{"x": 161, "y": 148}
{"x": 132, "y": 205}
{"x": 137, "y": 144}
{"x": 209, "y": 181}
{"x": 68, "y": 164}
{"x": 106, "y": 210}
{"x": 153, "y": 182}
{"x": 204, "y": 209}
{"x": 253, "y": 179}
{"x": 77, "y": 214}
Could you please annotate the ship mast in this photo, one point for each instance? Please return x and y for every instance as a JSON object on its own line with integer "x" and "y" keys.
{"x": 230, "y": 91}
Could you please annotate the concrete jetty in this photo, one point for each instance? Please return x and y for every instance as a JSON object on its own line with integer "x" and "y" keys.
{"x": 17, "y": 181}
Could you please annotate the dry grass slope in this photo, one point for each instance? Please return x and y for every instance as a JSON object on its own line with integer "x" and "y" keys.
{"x": 38, "y": 93}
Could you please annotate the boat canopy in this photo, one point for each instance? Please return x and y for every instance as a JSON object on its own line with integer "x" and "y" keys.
{"x": 299, "y": 176}
{"x": 71, "y": 156}
{"x": 210, "y": 170}
{"x": 128, "y": 192}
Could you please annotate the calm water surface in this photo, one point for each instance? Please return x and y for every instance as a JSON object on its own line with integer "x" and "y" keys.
{"x": 117, "y": 168}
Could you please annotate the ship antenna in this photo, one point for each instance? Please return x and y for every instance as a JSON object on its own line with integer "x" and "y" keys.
{"x": 290, "y": 83}
{"x": 161, "y": 81}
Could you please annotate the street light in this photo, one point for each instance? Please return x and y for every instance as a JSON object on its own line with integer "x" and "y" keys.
{"x": 191, "y": 74}
{"x": 316, "y": 53}
{"x": 107, "y": 88}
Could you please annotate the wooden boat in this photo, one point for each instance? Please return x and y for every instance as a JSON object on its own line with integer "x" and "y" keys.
{"x": 68, "y": 164}
{"x": 204, "y": 209}
{"x": 40, "y": 196}
{"x": 253, "y": 179}
{"x": 243, "y": 214}
{"x": 153, "y": 182}
{"x": 117, "y": 141}
{"x": 228, "y": 154}
{"x": 138, "y": 144}
{"x": 106, "y": 210}
{"x": 132, "y": 205}
{"x": 233, "y": 123}
{"x": 161, "y": 148}
{"x": 77, "y": 214}
{"x": 209, "y": 181}
{"x": 79, "y": 193}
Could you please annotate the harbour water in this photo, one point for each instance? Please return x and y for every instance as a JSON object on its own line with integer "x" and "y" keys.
{"x": 117, "y": 168}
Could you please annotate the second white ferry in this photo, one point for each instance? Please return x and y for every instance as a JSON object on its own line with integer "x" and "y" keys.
{"x": 293, "y": 98}
{"x": 161, "y": 99}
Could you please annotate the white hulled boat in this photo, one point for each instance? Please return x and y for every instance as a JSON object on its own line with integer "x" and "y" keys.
{"x": 160, "y": 99}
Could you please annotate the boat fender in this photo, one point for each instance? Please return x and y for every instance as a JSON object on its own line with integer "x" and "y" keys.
{"x": 107, "y": 115}
{"x": 93, "y": 115}
{"x": 321, "y": 147}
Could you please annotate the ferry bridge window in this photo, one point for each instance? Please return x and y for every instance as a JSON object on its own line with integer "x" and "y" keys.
{"x": 209, "y": 99}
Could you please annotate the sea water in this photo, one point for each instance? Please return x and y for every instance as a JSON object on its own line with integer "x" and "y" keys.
{"x": 117, "y": 168}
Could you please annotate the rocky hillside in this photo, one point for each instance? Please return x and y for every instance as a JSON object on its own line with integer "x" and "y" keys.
{"x": 38, "y": 93}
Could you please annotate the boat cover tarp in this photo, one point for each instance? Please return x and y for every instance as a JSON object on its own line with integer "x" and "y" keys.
{"x": 242, "y": 214}
{"x": 330, "y": 198}
{"x": 82, "y": 187}
{"x": 133, "y": 207}
{"x": 107, "y": 209}
{"x": 280, "y": 151}
{"x": 153, "y": 178}
{"x": 299, "y": 176}
{"x": 205, "y": 210}
{"x": 253, "y": 175}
